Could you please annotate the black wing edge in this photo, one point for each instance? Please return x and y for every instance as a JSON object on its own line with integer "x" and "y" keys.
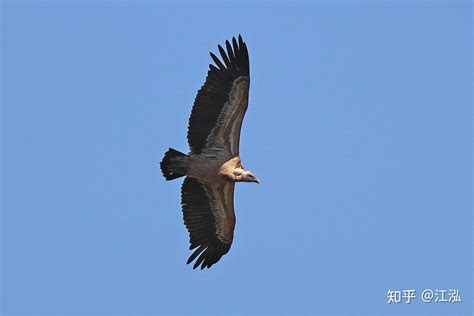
{"x": 201, "y": 224}
{"x": 215, "y": 92}
{"x": 235, "y": 58}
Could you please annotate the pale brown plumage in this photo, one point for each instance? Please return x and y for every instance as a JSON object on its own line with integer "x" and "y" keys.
{"x": 213, "y": 165}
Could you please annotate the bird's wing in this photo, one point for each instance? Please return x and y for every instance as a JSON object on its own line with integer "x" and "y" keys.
{"x": 220, "y": 104}
{"x": 208, "y": 213}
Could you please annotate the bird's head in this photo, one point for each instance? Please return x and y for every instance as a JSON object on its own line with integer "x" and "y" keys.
{"x": 247, "y": 176}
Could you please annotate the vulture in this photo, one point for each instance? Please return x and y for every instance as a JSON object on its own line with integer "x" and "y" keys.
{"x": 213, "y": 164}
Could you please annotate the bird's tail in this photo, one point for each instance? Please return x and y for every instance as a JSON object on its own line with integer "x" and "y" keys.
{"x": 174, "y": 164}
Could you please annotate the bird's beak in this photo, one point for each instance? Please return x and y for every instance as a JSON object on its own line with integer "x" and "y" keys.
{"x": 257, "y": 181}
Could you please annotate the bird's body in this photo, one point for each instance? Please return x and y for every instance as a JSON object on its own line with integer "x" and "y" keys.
{"x": 211, "y": 169}
{"x": 213, "y": 165}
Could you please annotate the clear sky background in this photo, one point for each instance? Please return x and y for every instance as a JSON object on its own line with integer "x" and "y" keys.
{"x": 359, "y": 127}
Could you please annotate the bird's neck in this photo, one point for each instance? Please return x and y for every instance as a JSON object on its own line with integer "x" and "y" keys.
{"x": 231, "y": 167}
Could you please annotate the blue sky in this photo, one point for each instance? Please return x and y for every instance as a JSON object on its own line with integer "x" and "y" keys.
{"x": 359, "y": 127}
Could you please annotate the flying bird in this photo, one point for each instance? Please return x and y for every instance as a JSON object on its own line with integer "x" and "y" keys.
{"x": 213, "y": 165}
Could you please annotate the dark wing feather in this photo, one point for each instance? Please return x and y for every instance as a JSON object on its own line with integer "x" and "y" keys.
{"x": 215, "y": 92}
{"x": 208, "y": 213}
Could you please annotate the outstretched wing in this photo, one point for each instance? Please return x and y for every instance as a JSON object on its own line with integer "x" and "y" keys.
{"x": 220, "y": 104}
{"x": 208, "y": 213}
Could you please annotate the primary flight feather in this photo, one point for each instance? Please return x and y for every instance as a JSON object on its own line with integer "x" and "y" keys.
{"x": 213, "y": 164}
